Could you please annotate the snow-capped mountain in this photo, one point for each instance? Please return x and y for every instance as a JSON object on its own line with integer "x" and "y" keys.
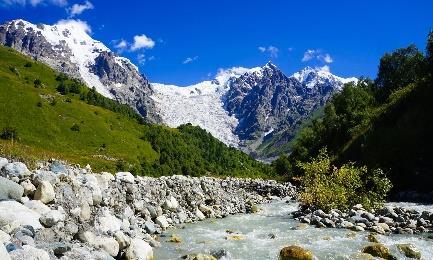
{"x": 242, "y": 106}
{"x": 67, "y": 47}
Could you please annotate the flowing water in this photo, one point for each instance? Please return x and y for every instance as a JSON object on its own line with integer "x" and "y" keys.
{"x": 274, "y": 220}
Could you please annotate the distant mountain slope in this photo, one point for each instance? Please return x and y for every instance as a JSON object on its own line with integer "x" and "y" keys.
{"x": 38, "y": 122}
{"x": 67, "y": 47}
{"x": 244, "y": 107}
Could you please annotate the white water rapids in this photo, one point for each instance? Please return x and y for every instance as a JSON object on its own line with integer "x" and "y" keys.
{"x": 325, "y": 243}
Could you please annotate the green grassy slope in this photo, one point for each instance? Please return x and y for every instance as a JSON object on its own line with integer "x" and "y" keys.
{"x": 44, "y": 121}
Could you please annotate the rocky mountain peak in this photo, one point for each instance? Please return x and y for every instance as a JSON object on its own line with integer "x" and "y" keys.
{"x": 67, "y": 47}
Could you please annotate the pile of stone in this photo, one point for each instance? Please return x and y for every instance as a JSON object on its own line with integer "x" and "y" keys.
{"x": 68, "y": 212}
{"x": 383, "y": 221}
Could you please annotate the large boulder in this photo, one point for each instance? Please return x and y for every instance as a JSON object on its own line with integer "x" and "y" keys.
{"x": 295, "y": 253}
{"x": 162, "y": 222}
{"x": 139, "y": 250}
{"x": 16, "y": 169}
{"x": 409, "y": 250}
{"x": 3, "y": 162}
{"x": 4, "y": 253}
{"x": 52, "y": 217}
{"x": 29, "y": 253}
{"x": 106, "y": 222}
{"x": 45, "y": 192}
{"x": 378, "y": 250}
{"x": 11, "y": 211}
{"x": 10, "y": 189}
{"x": 170, "y": 204}
{"x": 125, "y": 177}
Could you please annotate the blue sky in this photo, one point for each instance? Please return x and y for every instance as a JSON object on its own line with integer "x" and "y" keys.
{"x": 187, "y": 41}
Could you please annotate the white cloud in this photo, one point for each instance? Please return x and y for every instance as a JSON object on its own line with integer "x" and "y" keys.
{"x": 190, "y": 59}
{"x": 317, "y": 54}
{"x": 325, "y": 68}
{"x": 308, "y": 55}
{"x": 326, "y": 58}
{"x": 290, "y": 49}
{"x": 142, "y": 41}
{"x": 8, "y": 3}
{"x": 120, "y": 45}
{"x": 141, "y": 59}
{"x": 272, "y": 50}
{"x": 151, "y": 58}
{"x": 78, "y": 24}
{"x": 77, "y": 9}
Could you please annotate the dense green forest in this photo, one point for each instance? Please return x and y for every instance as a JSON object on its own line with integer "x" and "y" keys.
{"x": 46, "y": 115}
{"x": 386, "y": 123}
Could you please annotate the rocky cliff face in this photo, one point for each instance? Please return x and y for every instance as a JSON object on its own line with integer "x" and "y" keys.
{"x": 68, "y": 48}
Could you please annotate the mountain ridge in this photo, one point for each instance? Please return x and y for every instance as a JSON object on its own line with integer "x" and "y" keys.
{"x": 241, "y": 106}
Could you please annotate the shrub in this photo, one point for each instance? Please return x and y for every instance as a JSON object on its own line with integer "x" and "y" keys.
{"x": 75, "y": 128}
{"x": 8, "y": 133}
{"x": 37, "y": 83}
{"x": 39, "y": 104}
{"x": 14, "y": 71}
{"x": 328, "y": 187}
{"x": 28, "y": 65}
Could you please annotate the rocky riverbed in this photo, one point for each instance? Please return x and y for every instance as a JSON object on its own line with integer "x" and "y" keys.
{"x": 67, "y": 212}
{"x": 389, "y": 219}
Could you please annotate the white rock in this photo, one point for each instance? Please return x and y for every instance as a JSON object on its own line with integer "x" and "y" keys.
{"x": 125, "y": 177}
{"x": 17, "y": 169}
{"x": 45, "y": 192}
{"x": 85, "y": 211}
{"x": 105, "y": 222}
{"x": 108, "y": 244}
{"x": 3, "y": 162}
{"x": 11, "y": 211}
{"x": 200, "y": 214}
{"x": 162, "y": 221}
{"x": 205, "y": 209}
{"x": 139, "y": 250}
{"x": 28, "y": 186}
{"x": 3, "y": 252}
{"x": 4, "y": 237}
{"x": 122, "y": 239}
{"x": 104, "y": 180}
{"x": 37, "y": 206}
{"x": 93, "y": 185}
{"x": 170, "y": 204}
{"x": 29, "y": 253}
{"x": 53, "y": 217}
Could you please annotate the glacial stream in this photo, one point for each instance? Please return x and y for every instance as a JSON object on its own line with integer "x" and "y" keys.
{"x": 266, "y": 232}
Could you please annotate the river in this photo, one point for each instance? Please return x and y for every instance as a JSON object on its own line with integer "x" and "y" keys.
{"x": 274, "y": 221}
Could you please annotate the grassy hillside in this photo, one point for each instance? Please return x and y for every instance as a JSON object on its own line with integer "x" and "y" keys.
{"x": 39, "y": 119}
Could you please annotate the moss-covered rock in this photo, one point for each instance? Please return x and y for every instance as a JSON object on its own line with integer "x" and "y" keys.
{"x": 175, "y": 238}
{"x": 295, "y": 253}
{"x": 235, "y": 237}
{"x": 378, "y": 250}
{"x": 409, "y": 251}
{"x": 372, "y": 238}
